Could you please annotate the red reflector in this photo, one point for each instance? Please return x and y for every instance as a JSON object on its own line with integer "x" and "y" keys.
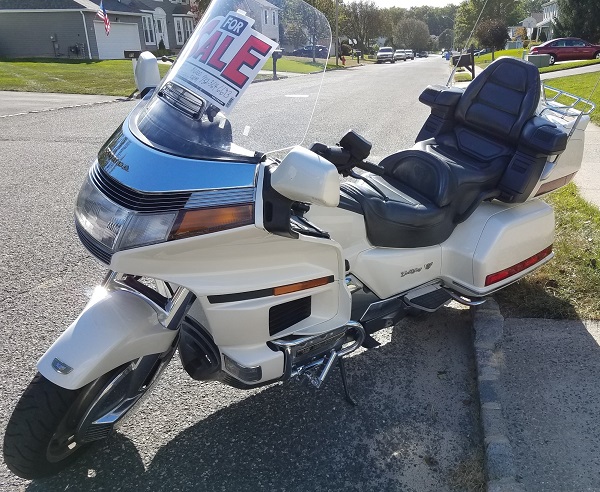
{"x": 553, "y": 185}
{"x": 519, "y": 267}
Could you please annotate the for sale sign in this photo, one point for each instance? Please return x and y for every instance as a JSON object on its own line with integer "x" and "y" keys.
{"x": 224, "y": 59}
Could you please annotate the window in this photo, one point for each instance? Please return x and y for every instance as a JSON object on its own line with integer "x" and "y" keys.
{"x": 148, "y": 30}
{"x": 274, "y": 19}
{"x": 179, "y": 34}
{"x": 189, "y": 27}
{"x": 266, "y": 17}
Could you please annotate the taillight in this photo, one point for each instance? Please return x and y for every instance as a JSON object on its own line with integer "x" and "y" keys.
{"x": 554, "y": 184}
{"x": 519, "y": 267}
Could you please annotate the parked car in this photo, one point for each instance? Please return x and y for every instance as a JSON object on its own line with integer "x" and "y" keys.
{"x": 561, "y": 49}
{"x": 482, "y": 52}
{"x": 422, "y": 54}
{"x": 319, "y": 50}
{"x": 409, "y": 54}
{"x": 385, "y": 54}
{"x": 399, "y": 55}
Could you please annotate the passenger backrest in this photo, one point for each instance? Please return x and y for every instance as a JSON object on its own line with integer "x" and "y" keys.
{"x": 501, "y": 99}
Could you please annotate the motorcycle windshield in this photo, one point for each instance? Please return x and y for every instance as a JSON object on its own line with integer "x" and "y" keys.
{"x": 222, "y": 100}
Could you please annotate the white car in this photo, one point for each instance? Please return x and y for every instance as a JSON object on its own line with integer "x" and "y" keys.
{"x": 399, "y": 55}
{"x": 409, "y": 54}
{"x": 385, "y": 54}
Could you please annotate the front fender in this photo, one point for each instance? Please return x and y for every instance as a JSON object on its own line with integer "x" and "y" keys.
{"x": 115, "y": 327}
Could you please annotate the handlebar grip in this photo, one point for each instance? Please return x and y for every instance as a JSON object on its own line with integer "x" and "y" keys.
{"x": 370, "y": 167}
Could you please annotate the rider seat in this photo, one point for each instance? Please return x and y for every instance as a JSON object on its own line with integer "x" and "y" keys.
{"x": 478, "y": 144}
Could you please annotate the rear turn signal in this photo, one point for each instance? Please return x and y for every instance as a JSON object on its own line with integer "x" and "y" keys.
{"x": 519, "y": 267}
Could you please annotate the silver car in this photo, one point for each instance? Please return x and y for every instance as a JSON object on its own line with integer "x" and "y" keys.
{"x": 399, "y": 55}
{"x": 385, "y": 54}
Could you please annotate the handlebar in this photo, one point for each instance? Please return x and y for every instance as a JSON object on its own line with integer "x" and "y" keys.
{"x": 370, "y": 167}
{"x": 343, "y": 159}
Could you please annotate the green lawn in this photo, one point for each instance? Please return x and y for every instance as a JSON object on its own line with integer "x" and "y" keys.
{"x": 110, "y": 77}
{"x": 567, "y": 287}
{"x": 566, "y": 65}
{"x": 583, "y": 85}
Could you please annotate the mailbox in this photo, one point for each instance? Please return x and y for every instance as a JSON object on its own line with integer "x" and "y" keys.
{"x": 277, "y": 54}
{"x": 131, "y": 54}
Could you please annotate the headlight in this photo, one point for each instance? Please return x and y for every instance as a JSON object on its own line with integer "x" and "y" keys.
{"x": 117, "y": 228}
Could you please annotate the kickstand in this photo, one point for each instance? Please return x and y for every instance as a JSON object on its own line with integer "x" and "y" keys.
{"x": 349, "y": 398}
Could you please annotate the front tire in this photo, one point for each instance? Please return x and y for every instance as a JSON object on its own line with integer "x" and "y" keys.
{"x": 597, "y": 55}
{"x": 552, "y": 59}
{"x": 52, "y": 426}
{"x": 30, "y": 442}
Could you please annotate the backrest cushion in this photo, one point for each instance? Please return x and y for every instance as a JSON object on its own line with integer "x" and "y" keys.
{"x": 501, "y": 99}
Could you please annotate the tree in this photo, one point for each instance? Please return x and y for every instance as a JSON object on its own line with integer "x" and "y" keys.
{"x": 508, "y": 12}
{"x": 530, "y": 6}
{"x": 492, "y": 33}
{"x": 579, "y": 18}
{"x": 413, "y": 34}
{"x": 363, "y": 22}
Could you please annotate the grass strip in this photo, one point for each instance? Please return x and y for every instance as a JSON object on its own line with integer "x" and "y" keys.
{"x": 568, "y": 287}
{"x": 109, "y": 77}
{"x": 583, "y": 85}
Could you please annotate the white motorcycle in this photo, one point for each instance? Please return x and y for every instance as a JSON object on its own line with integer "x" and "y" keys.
{"x": 263, "y": 266}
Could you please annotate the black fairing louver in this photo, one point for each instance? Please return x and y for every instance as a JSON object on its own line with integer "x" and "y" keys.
{"x": 93, "y": 246}
{"x": 288, "y": 314}
{"x": 136, "y": 200}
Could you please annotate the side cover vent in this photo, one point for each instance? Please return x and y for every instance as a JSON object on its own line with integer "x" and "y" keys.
{"x": 287, "y": 314}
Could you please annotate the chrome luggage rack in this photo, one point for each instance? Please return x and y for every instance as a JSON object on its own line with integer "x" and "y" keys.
{"x": 567, "y": 106}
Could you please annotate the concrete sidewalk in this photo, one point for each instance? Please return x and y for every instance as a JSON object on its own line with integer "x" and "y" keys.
{"x": 15, "y": 103}
{"x": 538, "y": 384}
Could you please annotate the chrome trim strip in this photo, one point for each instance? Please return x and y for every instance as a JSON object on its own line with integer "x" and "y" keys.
{"x": 217, "y": 198}
{"x": 170, "y": 315}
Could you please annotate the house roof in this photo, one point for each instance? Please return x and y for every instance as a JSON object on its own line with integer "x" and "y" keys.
{"x": 181, "y": 10}
{"x": 39, "y": 5}
{"x": 133, "y": 6}
{"x": 269, "y": 5}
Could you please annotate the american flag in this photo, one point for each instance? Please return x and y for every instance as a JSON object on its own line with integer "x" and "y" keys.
{"x": 104, "y": 16}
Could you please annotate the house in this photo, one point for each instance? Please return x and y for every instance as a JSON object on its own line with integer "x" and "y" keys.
{"x": 550, "y": 11}
{"x": 266, "y": 17}
{"x": 530, "y": 23}
{"x": 71, "y": 28}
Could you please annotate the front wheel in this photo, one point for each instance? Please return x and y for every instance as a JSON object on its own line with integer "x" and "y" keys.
{"x": 597, "y": 55}
{"x": 51, "y": 426}
{"x": 552, "y": 59}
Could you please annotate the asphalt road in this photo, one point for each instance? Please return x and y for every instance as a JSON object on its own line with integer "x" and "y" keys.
{"x": 416, "y": 426}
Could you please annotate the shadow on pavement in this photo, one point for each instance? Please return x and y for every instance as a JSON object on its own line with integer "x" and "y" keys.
{"x": 415, "y": 424}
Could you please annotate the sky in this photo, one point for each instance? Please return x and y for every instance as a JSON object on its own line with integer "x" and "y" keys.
{"x": 413, "y": 3}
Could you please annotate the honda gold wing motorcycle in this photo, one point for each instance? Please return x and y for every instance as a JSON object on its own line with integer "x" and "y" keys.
{"x": 259, "y": 258}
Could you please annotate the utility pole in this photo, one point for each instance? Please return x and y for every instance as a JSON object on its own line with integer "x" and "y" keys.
{"x": 337, "y": 38}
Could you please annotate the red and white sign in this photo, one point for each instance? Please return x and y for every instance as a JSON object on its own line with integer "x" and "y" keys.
{"x": 225, "y": 58}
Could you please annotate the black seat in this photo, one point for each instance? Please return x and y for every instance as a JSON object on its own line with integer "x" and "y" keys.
{"x": 478, "y": 144}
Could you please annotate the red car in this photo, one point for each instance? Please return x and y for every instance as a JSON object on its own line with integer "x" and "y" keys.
{"x": 561, "y": 49}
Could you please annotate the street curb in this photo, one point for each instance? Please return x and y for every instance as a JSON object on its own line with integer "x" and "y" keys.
{"x": 70, "y": 106}
{"x": 488, "y": 328}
